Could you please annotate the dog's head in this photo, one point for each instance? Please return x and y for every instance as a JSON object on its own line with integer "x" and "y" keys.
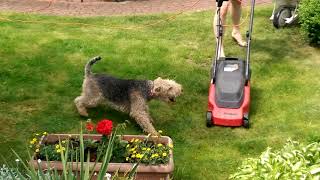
{"x": 166, "y": 89}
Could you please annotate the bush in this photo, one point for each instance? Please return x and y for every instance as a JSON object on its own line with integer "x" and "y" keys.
{"x": 293, "y": 161}
{"x": 309, "y": 15}
{"x": 8, "y": 173}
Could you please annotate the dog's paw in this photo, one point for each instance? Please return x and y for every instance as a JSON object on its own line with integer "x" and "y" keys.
{"x": 84, "y": 114}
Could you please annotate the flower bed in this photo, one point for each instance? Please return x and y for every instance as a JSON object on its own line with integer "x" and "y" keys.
{"x": 154, "y": 157}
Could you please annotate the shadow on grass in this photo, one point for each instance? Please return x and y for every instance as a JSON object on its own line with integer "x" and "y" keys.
{"x": 255, "y": 100}
{"x": 276, "y": 50}
{"x": 100, "y": 113}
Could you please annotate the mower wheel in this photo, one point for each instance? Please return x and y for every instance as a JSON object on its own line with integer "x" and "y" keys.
{"x": 280, "y": 16}
{"x": 246, "y": 123}
{"x": 209, "y": 119}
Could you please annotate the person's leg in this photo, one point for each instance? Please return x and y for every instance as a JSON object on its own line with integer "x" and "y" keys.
{"x": 236, "y": 14}
{"x": 223, "y": 15}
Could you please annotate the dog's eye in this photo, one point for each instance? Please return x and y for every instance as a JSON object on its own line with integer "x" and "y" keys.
{"x": 158, "y": 89}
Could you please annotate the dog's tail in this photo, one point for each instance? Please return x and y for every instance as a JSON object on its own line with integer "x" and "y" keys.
{"x": 92, "y": 61}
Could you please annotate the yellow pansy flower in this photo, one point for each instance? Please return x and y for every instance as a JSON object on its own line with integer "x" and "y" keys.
{"x": 159, "y": 145}
{"x": 57, "y": 146}
{"x": 133, "y": 156}
{"x": 155, "y": 155}
{"x": 63, "y": 142}
{"x": 31, "y": 142}
{"x": 164, "y": 154}
{"x": 34, "y": 139}
{"x": 45, "y": 133}
{"x": 148, "y": 149}
{"x": 143, "y": 149}
{"x": 37, "y": 150}
{"x": 139, "y": 156}
{"x": 58, "y": 150}
{"x": 127, "y": 158}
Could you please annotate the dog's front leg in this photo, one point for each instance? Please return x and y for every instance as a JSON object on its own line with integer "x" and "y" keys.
{"x": 139, "y": 111}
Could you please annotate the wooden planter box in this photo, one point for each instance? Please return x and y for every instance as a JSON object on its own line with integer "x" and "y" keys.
{"x": 144, "y": 172}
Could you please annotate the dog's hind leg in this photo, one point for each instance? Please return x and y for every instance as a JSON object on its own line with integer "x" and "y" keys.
{"x": 139, "y": 111}
{"x": 83, "y": 102}
{"x": 79, "y": 102}
{"x": 90, "y": 97}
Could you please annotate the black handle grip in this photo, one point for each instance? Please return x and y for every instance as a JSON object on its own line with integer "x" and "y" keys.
{"x": 220, "y": 2}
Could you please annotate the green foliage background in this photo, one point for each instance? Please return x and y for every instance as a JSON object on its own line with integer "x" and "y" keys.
{"x": 309, "y": 15}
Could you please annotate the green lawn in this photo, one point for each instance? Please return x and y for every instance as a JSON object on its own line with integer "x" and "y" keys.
{"x": 42, "y": 69}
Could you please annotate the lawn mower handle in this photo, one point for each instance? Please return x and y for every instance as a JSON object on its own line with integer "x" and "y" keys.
{"x": 219, "y": 39}
{"x": 218, "y": 35}
{"x": 248, "y": 35}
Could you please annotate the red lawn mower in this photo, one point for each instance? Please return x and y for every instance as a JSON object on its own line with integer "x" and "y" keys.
{"x": 229, "y": 92}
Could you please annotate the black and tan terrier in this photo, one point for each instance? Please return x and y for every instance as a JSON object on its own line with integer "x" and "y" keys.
{"x": 125, "y": 95}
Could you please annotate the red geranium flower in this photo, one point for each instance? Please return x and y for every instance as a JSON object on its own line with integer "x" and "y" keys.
{"x": 89, "y": 126}
{"x": 104, "y": 127}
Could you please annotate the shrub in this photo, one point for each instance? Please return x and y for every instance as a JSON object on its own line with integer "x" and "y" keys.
{"x": 8, "y": 173}
{"x": 309, "y": 15}
{"x": 293, "y": 161}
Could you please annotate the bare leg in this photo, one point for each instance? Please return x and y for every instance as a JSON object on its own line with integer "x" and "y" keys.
{"x": 223, "y": 15}
{"x": 236, "y": 14}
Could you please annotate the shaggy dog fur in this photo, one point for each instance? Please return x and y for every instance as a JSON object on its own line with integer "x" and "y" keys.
{"x": 129, "y": 96}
